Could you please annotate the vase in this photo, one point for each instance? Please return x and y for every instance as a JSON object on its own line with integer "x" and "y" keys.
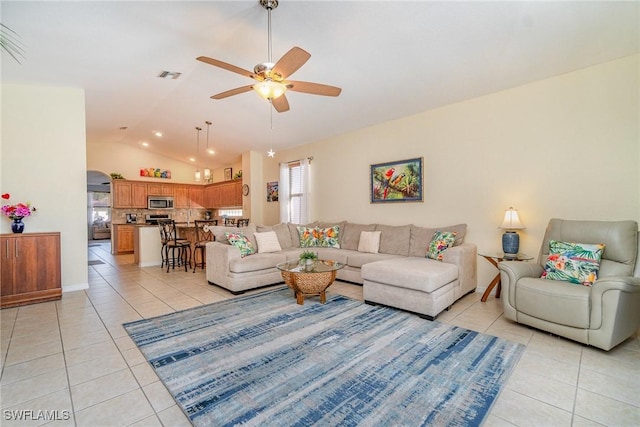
{"x": 17, "y": 226}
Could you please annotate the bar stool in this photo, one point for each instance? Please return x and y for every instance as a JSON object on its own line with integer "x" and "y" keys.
{"x": 172, "y": 242}
{"x": 229, "y": 221}
{"x": 242, "y": 222}
{"x": 204, "y": 235}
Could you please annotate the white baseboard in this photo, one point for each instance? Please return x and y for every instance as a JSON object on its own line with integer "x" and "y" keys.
{"x": 78, "y": 287}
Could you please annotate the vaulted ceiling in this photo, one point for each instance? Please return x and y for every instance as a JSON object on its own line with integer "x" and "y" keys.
{"x": 391, "y": 58}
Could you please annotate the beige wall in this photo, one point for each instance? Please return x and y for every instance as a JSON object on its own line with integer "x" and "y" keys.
{"x": 43, "y": 160}
{"x": 563, "y": 147}
{"x": 111, "y": 157}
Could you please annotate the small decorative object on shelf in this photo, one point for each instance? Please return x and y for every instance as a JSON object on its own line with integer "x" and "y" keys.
{"x": 16, "y": 213}
{"x": 115, "y": 175}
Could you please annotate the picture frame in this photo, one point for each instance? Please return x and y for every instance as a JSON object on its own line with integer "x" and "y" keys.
{"x": 228, "y": 174}
{"x": 272, "y": 191}
{"x": 397, "y": 182}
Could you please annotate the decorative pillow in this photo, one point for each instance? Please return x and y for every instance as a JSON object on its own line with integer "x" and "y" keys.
{"x": 240, "y": 241}
{"x": 328, "y": 237}
{"x": 308, "y": 236}
{"x": 316, "y": 236}
{"x": 369, "y": 241}
{"x": 573, "y": 262}
{"x": 440, "y": 242}
{"x": 267, "y": 242}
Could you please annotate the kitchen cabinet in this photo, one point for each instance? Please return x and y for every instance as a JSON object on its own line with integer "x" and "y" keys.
{"x": 181, "y": 196}
{"x": 227, "y": 194}
{"x": 129, "y": 194}
{"x": 30, "y": 268}
{"x": 123, "y": 238}
{"x": 158, "y": 189}
{"x": 196, "y": 196}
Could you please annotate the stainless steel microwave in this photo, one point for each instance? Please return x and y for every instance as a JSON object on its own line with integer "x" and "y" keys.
{"x": 159, "y": 202}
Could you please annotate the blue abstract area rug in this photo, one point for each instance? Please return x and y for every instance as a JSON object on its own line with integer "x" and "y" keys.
{"x": 263, "y": 360}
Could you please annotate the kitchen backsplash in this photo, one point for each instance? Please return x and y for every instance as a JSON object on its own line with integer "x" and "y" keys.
{"x": 119, "y": 216}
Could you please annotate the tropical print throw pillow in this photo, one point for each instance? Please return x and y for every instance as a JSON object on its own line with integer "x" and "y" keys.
{"x": 573, "y": 262}
{"x": 315, "y": 236}
{"x": 308, "y": 236}
{"x": 241, "y": 242}
{"x": 440, "y": 242}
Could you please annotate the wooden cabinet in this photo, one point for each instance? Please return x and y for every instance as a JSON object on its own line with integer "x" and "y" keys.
{"x": 128, "y": 194}
{"x": 226, "y": 194}
{"x": 196, "y": 196}
{"x": 157, "y": 189}
{"x": 30, "y": 268}
{"x": 123, "y": 238}
{"x": 181, "y": 196}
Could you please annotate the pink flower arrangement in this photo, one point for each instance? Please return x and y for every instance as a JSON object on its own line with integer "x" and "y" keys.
{"x": 19, "y": 210}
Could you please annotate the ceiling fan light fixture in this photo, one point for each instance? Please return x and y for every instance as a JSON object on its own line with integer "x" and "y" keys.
{"x": 268, "y": 89}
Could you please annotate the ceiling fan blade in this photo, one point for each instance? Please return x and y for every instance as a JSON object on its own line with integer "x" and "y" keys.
{"x": 232, "y": 92}
{"x": 291, "y": 61}
{"x": 226, "y": 66}
{"x": 313, "y": 88}
{"x": 280, "y": 104}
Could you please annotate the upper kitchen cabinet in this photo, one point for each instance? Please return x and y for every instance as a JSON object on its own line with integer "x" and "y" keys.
{"x": 226, "y": 194}
{"x": 196, "y": 196}
{"x": 181, "y": 196}
{"x": 129, "y": 194}
{"x": 158, "y": 189}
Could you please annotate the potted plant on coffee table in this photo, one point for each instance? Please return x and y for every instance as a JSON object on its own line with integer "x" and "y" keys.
{"x": 307, "y": 258}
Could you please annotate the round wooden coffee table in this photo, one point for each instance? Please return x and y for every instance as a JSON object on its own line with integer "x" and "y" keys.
{"x": 307, "y": 280}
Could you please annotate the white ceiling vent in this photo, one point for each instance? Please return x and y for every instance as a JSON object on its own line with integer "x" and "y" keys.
{"x": 169, "y": 75}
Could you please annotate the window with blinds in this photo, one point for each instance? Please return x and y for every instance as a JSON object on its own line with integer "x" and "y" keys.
{"x": 296, "y": 192}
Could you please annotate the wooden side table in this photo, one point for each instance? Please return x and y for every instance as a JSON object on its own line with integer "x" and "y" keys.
{"x": 494, "y": 260}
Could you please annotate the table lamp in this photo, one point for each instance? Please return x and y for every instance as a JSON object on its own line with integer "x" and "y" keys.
{"x": 510, "y": 239}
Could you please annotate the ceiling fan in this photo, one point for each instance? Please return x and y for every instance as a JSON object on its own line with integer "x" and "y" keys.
{"x": 271, "y": 77}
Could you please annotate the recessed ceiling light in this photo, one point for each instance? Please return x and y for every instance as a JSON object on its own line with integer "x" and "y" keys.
{"x": 157, "y": 133}
{"x": 169, "y": 75}
{"x": 191, "y": 159}
{"x": 210, "y": 151}
{"x": 144, "y": 144}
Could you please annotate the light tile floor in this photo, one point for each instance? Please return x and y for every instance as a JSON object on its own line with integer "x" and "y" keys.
{"x": 72, "y": 360}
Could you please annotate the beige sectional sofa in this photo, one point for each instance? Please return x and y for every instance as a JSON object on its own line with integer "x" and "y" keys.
{"x": 399, "y": 275}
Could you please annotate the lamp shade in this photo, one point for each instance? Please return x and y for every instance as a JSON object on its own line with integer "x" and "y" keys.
{"x": 268, "y": 89}
{"x": 511, "y": 220}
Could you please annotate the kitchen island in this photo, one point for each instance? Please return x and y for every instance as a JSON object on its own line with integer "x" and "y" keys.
{"x": 146, "y": 245}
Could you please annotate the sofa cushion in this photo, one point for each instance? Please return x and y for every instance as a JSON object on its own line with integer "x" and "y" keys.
{"x": 421, "y": 274}
{"x": 331, "y": 254}
{"x": 358, "y": 259}
{"x": 573, "y": 262}
{"x": 394, "y": 239}
{"x": 421, "y": 237}
{"x": 267, "y": 242}
{"x": 441, "y": 241}
{"x": 369, "y": 242}
{"x": 351, "y": 234}
{"x": 553, "y": 300}
{"x": 256, "y": 262}
{"x": 281, "y": 230}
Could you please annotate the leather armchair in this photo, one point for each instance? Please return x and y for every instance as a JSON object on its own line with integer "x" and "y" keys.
{"x": 602, "y": 315}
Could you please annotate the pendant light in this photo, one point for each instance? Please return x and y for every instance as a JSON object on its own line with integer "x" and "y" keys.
{"x": 207, "y": 171}
{"x": 197, "y": 152}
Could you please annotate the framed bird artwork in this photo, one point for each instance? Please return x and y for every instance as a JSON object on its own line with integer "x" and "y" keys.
{"x": 399, "y": 181}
